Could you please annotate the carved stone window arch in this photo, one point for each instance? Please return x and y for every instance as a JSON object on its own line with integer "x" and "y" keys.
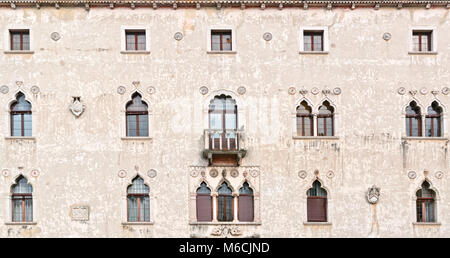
{"x": 433, "y": 120}
{"x": 22, "y": 200}
{"x": 225, "y": 209}
{"x": 325, "y": 119}
{"x": 21, "y": 116}
{"x": 426, "y": 203}
{"x": 305, "y": 119}
{"x": 246, "y": 203}
{"x": 204, "y": 203}
{"x": 317, "y": 203}
{"x": 138, "y": 201}
{"x": 137, "y": 119}
{"x": 413, "y": 120}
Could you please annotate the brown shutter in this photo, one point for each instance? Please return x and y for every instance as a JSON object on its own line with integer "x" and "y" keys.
{"x": 204, "y": 209}
{"x": 317, "y": 209}
{"x": 245, "y": 212}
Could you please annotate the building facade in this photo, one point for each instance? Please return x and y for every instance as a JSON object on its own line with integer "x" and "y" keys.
{"x": 224, "y": 119}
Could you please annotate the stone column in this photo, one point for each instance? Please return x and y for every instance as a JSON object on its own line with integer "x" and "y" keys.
{"x": 214, "y": 207}
{"x": 235, "y": 207}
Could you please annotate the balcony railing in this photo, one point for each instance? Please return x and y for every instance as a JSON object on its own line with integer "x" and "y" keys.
{"x": 224, "y": 142}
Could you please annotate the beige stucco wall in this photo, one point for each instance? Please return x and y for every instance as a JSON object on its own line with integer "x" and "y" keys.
{"x": 78, "y": 159}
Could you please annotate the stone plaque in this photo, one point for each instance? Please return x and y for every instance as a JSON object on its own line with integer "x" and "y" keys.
{"x": 80, "y": 213}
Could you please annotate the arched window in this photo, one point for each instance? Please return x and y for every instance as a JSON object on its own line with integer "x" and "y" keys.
{"x": 225, "y": 203}
{"x": 413, "y": 120}
{"x": 245, "y": 211}
{"x": 137, "y": 116}
{"x": 138, "y": 201}
{"x": 21, "y": 116}
{"x": 426, "y": 209}
{"x": 22, "y": 200}
{"x": 325, "y": 120}
{"x": 317, "y": 203}
{"x": 223, "y": 121}
{"x": 433, "y": 120}
{"x": 304, "y": 120}
{"x": 204, "y": 203}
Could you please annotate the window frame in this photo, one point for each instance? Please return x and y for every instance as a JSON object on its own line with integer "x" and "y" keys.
{"x": 314, "y": 29}
{"x": 135, "y": 28}
{"x": 7, "y": 44}
{"x": 22, "y": 32}
{"x": 136, "y": 34}
{"x": 221, "y": 28}
{"x": 136, "y": 114}
{"x": 423, "y": 29}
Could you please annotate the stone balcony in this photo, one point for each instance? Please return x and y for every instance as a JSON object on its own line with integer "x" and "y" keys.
{"x": 224, "y": 147}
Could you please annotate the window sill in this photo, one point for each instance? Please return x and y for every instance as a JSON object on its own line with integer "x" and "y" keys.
{"x": 315, "y": 137}
{"x": 138, "y": 223}
{"x": 18, "y": 52}
{"x": 21, "y": 223}
{"x": 221, "y": 52}
{"x": 225, "y": 223}
{"x": 425, "y": 138}
{"x": 426, "y": 223}
{"x": 20, "y": 138}
{"x": 145, "y": 138}
{"x": 314, "y": 52}
{"x": 317, "y": 223}
{"x": 422, "y": 53}
{"x": 135, "y": 52}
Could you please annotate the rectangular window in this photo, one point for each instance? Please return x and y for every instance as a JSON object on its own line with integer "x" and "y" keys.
{"x": 135, "y": 40}
{"x": 22, "y": 208}
{"x": 138, "y": 208}
{"x": 422, "y": 41}
{"x": 425, "y": 210}
{"x": 20, "y": 39}
{"x": 221, "y": 40}
{"x": 312, "y": 40}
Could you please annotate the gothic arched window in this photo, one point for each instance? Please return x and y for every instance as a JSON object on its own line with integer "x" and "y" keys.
{"x": 317, "y": 203}
{"x": 325, "y": 120}
{"x": 137, "y": 116}
{"x": 245, "y": 208}
{"x": 433, "y": 120}
{"x": 138, "y": 201}
{"x": 21, "y": 124}
{"x": 413, "y": 120}
{"x": 304, "y": 120}
{"x": 223, "y": 123}
{"x": 425, "y": 204}
{"x": 204, "y": 203}
{"x": 22, "y": 200}
{"x": 225, "y": 203}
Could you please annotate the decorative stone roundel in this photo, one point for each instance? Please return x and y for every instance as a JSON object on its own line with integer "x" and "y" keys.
{"x": 151, "y": 173}
{"x": 55, "y": 36}
{"x": 439, "y": 174}
{"x": 292, "y": 90}
{"x": 35, "y": 173}
{"x": 315, "y": 91}
{"x": 178, "y": 36}
{"x": 203, "y": 90}
{"x": 151, "y": 90}
{"x": 213, "y": 173}
{"x": 122, "y": 173}
{"x": 241, "y": 90}
{"x": 121, "y": 90}
{"x": 194, "y": 173}
{"x": 4, "y": 89}
{"x": 5, "y": 173}
{"x": 255, "y": 173}
{"x": 423, "y": 91}
{"x": 337, "y": 91}
{"x": 302, "y": 174}
{"x": 267, "y": 36}
{"x": 401, "y": 91}
{"x": 35, "y": 89}
{"x": 387, "y": 36}
{"x": 445, "y": 90}
{"x": 234, "y": 173}
{"x": 412, "y": 174}
{"x": 330, "y": 174}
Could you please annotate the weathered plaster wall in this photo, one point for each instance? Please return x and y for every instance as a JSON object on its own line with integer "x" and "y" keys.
{"x": 78, "y": 159}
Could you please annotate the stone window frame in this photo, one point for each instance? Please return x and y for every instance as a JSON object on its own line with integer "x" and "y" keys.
{"x": 123, "y": 119}
{"x": 9, "y": 205}
{"x": 7, "y": 42}
{"x": 123, "y": 47}
{"x": 326, "y": 41}
{"x": 315, "y": 111}
{"x": 233, "y": 39}
{"x": 214, "y": 183}
{"x": 127, "y": 182}
{"x": 423, "y": 113}
{"x": 418, "y": 183}
{"x": 34, "y": 114}
{"x": 329, "y": 209}
{"x": 434, "y": 50}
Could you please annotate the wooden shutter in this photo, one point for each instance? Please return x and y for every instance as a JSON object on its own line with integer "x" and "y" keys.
{"x": 204, "y": 209}
{"x": 317, "y": 209}
{"x": 245, "y": 212}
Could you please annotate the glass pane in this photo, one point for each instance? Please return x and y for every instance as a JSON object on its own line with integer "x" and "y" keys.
{"x": 415, "y": 42}
{"x": 143, "y": 125}
{"x": 21, "y": 104}
{"x": 429, "y": 209}
{"x": 226, "y": 42}
{"x": 224, "y": 189}
{"x": 27, "y": 124}
{"x": 145, "y": 215}
{"x": 28, "y": 208}
{"x": 307, "y": 43}
{"x": 132, "y": 126}
{"x": 141, "y": 42}
{"x": 26, "y": 41}
{"x": 329, "y": 122}
{"x": 215, "y": 42}
{"x": 245, "y": 189}
{"x": 320, "y": 126}
{"x": 428, "y": 122}
{"x": 132, "y": 208}
{"x": 17, "y": 209}
{"x": 131, "y": 42}
{"x": 203, "y": 189}
{"x": 136, "y": 104}
{"x": 230, "y": 121}
{"x": 317, "y": 190}
{"x": 16, "y": 125}
{"x": 15, "y": 41}
{"x": 138, "y": 187}
{"x": 424, "y": 42}
{"x": 317, "y": 42}
{"x": 215, "y": 121}
{"x": 308, "y": 126}
{"x": 22, "y": 186}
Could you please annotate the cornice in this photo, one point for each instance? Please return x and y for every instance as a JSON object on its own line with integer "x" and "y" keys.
{"x": 280, "y": 4}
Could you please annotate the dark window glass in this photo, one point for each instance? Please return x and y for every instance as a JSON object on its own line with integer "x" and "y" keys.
{"x": 22, "y": 201}
{"x": 422, "y": 41}
{"x": 137, "y": 117}
{"x": 204, "y": 203}
{"x": 225, "y": 203}
{"x": 325, "y": 120}
{"x": 20, "y": 39}
{"x": 138, "y": 201}
{"x": 304, "y": 120}
{"x": 413, "y": 120}
{"x": 245, "y": 207}
{"x": 221, "y": 40}
{"x": 433, "y": 120}
{"x": 426, "y": 210}
{"x": 313, "y": 40}
{"x": 21, "y": 122}
{"x": 135, "y": 40}
{"x": 317, "y": 203}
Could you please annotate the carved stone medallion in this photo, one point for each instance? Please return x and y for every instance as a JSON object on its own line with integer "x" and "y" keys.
{"x": 373, "y": 194}
{"x": 34, "y": 173}
{"x": 194, "y": 173}
{"x": 330, "y": 174}
{"x": 292, "y": 90}
{"x": 412, "y": 174}
{"x": 55, "y": 36}
{"x": 203, "y": 90}
{"x": 4, "y": 89}
{"x": 151, "y": 90}
{"x": 423, "y": 91}
{"x": 255, "y": 173}
{"x": 439, "y": 174}
{"x": 121, "y": 90}
{"x": 337, "y": 91}
{"x": 315, "y": 91}
{"x": 213, "y": 173}
{"x": 234, "y": 173}
{"x": 5, "y": 172}
{"x": 241, "y": 90}
{"x": 77, "y": 107}
{"x": 122, "y": 173}
{"x": 267, "y": 36}
{"x": 302, "y": 174}
{"x": 35, "y": 89}
{"x": 151, "y": 173}
{"x": 401, "y": 91}
{"x": 387, "y": 36}
{"x": 445, "y": 90}
{"x": 178, "y": 36}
